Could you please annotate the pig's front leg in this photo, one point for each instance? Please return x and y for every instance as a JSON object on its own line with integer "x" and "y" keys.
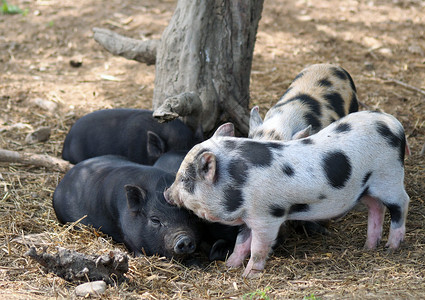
{"x": 261, "y": 245}
{"x": 242, "y": 248}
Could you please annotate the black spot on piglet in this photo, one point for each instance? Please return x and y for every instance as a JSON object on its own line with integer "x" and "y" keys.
{"x": 343, "y": 127}
{"x": 307, "y": 141}
{"x": 337, "y": 102}
{"x": 394, "y": 140}
{"x": 395, "y": 212}
{"x": 324, "y": 82}
{"x": 295, "y": 208}
{"x": 366, "y": 178}
{"x": 256, "y": 153}
{"x": 337, "y": 168}
{"x": 288, "y": 170}
{"x": 238, "y": 171}
{"x": 189, "y": 178}
{"x": 233, "y": 198}
{"x": 277, "y": 211}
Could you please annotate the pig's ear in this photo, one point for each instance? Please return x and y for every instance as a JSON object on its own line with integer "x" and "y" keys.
{"x": 255, "y": 119}
{"x": 207, "y": 166}
{"x": 227, "y": 129}
{"x": 136, "y": 196}
{"x": 156, "y": 146}
{"x": 302, "y": 133}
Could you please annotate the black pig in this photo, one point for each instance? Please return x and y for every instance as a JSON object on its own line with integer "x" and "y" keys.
{"x": 132, "y": 133}
{"x": 125, "y": 200}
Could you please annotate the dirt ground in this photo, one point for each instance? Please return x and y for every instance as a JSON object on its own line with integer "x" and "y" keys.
{"x": 380, "y": 43}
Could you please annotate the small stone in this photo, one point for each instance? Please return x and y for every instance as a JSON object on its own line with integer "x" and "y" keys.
{"x": 45, "y": 104}
{"x": 416, "y": 49}
{"x": 369, "y": 66}
{"x": 386, "y": 51}
{"x": 91, "y": 288}
{"x": 76, "y": 62}
{"x": 41, "y": 134}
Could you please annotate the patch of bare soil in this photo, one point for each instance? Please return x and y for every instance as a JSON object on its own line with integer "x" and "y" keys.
{"x": 382, "y": 45}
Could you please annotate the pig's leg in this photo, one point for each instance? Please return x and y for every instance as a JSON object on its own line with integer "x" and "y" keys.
{"x": 242, "y": 248}
{"x": 374, "y": 222}
{"x": 398, "y": 214}
{"x": 261, "y": 245}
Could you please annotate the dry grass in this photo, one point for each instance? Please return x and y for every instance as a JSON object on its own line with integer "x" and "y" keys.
{"x": 35, "y": 51}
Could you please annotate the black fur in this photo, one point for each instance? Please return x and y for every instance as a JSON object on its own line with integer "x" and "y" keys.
{"x": 288, "y": 170}
{"x": 301, "y": 74}
{"x": 230, "y": 144}
{"x": 337, "y": 168}
{"x": 340, "y": 73}
{"x": 322, "y": 197}
{"x": 237, "y": 170}
{"x": 343, "y": 127}
{"x": 395, "y": 212}
{"x": 337, "y": 103}
{"x": 189, "y": 178}
{"x": 233, "y": 198}
{"x": 277, "y": 211}
{"x": 324, "y": 83}
{"x": 366, "y": 178}
{"x": 353, "y": 86}
{"x": 395, "y": 140}
{"x": 307, "y": 141}
{"x": 354, "y": 104}
{"x": 295, "y": 208}
{"x": 256, "y": 153}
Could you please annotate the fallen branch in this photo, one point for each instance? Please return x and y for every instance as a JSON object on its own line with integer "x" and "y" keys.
{"x": 39, "y": 160}
{"x": 74, "y": 266}
{"x": 141, "y": 51}
{"x": 408, "y": 86}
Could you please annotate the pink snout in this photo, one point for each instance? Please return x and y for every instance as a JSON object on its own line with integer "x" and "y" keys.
{"x": 167, "y": 196}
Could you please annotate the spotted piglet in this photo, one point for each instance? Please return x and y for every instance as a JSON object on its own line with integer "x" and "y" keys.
{"x": 319, "y": 95}
{"x": 264, "y": 183}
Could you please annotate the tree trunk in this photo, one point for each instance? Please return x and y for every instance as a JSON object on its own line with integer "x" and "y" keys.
{"x": 203, "y": 61}
{"x": 207, "y": 50}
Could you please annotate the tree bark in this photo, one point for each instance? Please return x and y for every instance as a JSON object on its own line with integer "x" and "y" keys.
{"x": 39, "y": 160}
{"x": 207, "y": 49}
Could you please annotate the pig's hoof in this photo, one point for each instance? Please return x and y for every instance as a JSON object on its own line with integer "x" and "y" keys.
{"x": 234, "y": 261}
{"x": 250, "y": 274}
{"x": 392, "y": 247}
{"x": 371, "y": 245}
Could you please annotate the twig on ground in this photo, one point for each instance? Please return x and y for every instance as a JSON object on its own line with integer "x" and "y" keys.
{"x": 39, "y": 160}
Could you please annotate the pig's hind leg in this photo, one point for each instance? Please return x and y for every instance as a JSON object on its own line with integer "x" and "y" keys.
{"x": 376, "y": 212}
{"x": 398, "y": 212}
{"x": 397, "y": 203}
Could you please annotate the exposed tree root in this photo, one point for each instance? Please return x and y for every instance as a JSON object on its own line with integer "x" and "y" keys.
{"x": 141, "y": 51}
{"x": 74, "y": 266}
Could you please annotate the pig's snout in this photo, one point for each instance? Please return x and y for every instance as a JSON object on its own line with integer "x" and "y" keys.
{"x": 184, "y": 245}
{"x": 167, "y": 196}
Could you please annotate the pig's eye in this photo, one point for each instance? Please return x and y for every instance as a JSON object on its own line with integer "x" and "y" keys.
{"x": 155, "y": 221}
